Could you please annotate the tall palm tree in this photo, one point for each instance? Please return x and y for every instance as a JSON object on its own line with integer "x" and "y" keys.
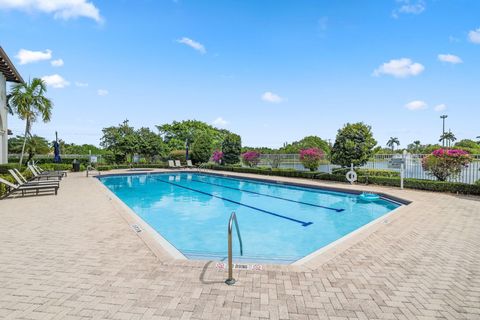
{"x": 392, "y": 142}
{"x": 29, "y": 102}
{"x": 449, "y": 137}
{"x": 9, "y": 107}
{"x": 417, "y": 144}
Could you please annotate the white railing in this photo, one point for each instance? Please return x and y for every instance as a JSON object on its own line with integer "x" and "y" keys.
{"x": 390, "y": 162}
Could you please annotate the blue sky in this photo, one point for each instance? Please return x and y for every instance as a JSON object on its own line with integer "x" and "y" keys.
{"x": 272, "y": 71}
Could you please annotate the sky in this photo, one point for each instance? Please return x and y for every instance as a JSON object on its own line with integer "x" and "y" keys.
{"x": 272, "y": 71}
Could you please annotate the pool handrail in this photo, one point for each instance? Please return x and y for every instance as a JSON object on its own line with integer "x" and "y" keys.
{"x": 233, "y": 219}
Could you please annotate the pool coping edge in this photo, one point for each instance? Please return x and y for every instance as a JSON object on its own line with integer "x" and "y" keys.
{"x": 153, "y": 239}
{"x": 159, "y": 245}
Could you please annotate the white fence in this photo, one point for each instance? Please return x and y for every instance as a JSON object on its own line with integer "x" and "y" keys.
{"x": 413, "y": 165}
{"x": 49, "y": 157}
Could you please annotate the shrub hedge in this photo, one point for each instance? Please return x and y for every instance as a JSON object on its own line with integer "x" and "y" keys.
{"x": 7, "y": 176}
{"x": 41, "y": 160}
{"x": 368, "y": 172}
{"x": 428, "y": 185}
{"x": 45, "y": 166}
{"x": 126, "y": 166}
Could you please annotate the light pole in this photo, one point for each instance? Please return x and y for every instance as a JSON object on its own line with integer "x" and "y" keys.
{"x": 443, "y": 117}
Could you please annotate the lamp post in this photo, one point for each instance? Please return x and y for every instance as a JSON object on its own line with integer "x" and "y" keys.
{"x": 443, "y": 117}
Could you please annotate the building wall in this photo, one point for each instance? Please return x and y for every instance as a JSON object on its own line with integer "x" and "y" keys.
{"x": 3, "y": 121}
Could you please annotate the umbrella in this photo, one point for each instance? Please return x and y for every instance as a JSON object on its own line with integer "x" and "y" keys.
{"x": 56, "y": 150}
{"x": 186, "y": 149}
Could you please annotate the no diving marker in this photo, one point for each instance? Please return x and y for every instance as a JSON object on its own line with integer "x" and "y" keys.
{"x": 136, "y": 228}
{"x": 239, "y": 266}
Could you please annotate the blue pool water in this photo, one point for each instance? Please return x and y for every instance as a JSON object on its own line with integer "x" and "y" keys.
{"x": 278, "y": 223}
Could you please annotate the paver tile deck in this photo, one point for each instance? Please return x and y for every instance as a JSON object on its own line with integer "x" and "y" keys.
{"x": 73, "y": 256}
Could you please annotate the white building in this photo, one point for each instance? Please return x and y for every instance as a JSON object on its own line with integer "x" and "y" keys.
{"x": 8, "y": 73}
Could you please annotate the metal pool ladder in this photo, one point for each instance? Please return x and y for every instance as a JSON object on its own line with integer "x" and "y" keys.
{"x": 233, "y": 219}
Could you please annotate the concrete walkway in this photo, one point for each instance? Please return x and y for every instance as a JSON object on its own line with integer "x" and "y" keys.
{"x": 73, "y": 256}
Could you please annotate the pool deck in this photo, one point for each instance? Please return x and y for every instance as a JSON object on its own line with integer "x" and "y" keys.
{"x": 75, "y": 256}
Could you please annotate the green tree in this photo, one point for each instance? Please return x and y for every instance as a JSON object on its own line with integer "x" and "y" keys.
{"x": 202, "y": 148}
{"x": 121, "y": 141}
{"x": 417, "y": 145}
{"x": 83, "y": 149}
{"x": 150, "y": 144}
{"x": 33, "y": 146}
{"x": 392, "y": 142}
{"x": 306, "y": 143}
{"x": 468, "y": 145}
{"x": 28, "y": 101}
{"x": 354, "y": 144}
{"x": 9, "y": 107}
{"x": 231, "y": 148}
{"x": 177, "y": 133}
{"x": 262, "y": 150}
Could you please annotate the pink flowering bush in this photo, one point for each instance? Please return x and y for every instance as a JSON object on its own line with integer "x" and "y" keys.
{"x": 445, "y": 163}
{"x": 251, "y": 158}
{"x": 310, "y": 158}
{"x": 217, "y": 157}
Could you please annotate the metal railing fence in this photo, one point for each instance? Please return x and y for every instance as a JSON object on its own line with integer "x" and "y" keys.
{"x": 389, "y": 162}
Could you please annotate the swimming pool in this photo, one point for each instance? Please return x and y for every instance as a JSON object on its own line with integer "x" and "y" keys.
{"x": 279, "y": 223}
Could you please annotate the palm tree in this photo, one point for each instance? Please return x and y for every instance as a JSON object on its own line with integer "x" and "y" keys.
{"x": 29, "y": 102}
{"x": 416, "y": 145}
{"x": 449, "y": 137}
{"x": 9, "y": 107}
{"x": 392, "y": 142}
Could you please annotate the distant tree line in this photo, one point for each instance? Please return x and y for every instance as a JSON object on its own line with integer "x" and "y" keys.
{"x": 354, "y": 143}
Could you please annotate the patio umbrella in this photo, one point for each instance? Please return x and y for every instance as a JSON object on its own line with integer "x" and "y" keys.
{"x": 186, "y": 149}
{"x": 56, "y": 151}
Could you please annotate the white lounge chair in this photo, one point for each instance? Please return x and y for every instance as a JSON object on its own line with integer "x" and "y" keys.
{"x": 171, "y": 164}
{"x": 22, "y": 181}
{"x": 39, "y": 176}
{"x": 178, "y": 164}
{"x": 190, "y": 164}
{"x": 24, "y": 189}
{"x": 41, "y": 171}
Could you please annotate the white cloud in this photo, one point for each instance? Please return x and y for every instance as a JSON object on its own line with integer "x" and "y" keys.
{"x": 61, "y": 9}
{"x": 416, "y": 105}
{"x": 25, "y": 56}
{"x": 450, "y": 58}
{"x": 57, "y": 63}
{"x": 220, "y": 122}
{"x": 440, "y": 107}
{"x": 409, "y": 7}
{"x": 102, "y": 92}
{"x": 81, "y": 84}
{"x": 474, "y": 36}
{"x": 55, "y": 81}
{"x": 193, "y": 44}
{"x": 400, "y": 68}
{"x": 271, "y": 97}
